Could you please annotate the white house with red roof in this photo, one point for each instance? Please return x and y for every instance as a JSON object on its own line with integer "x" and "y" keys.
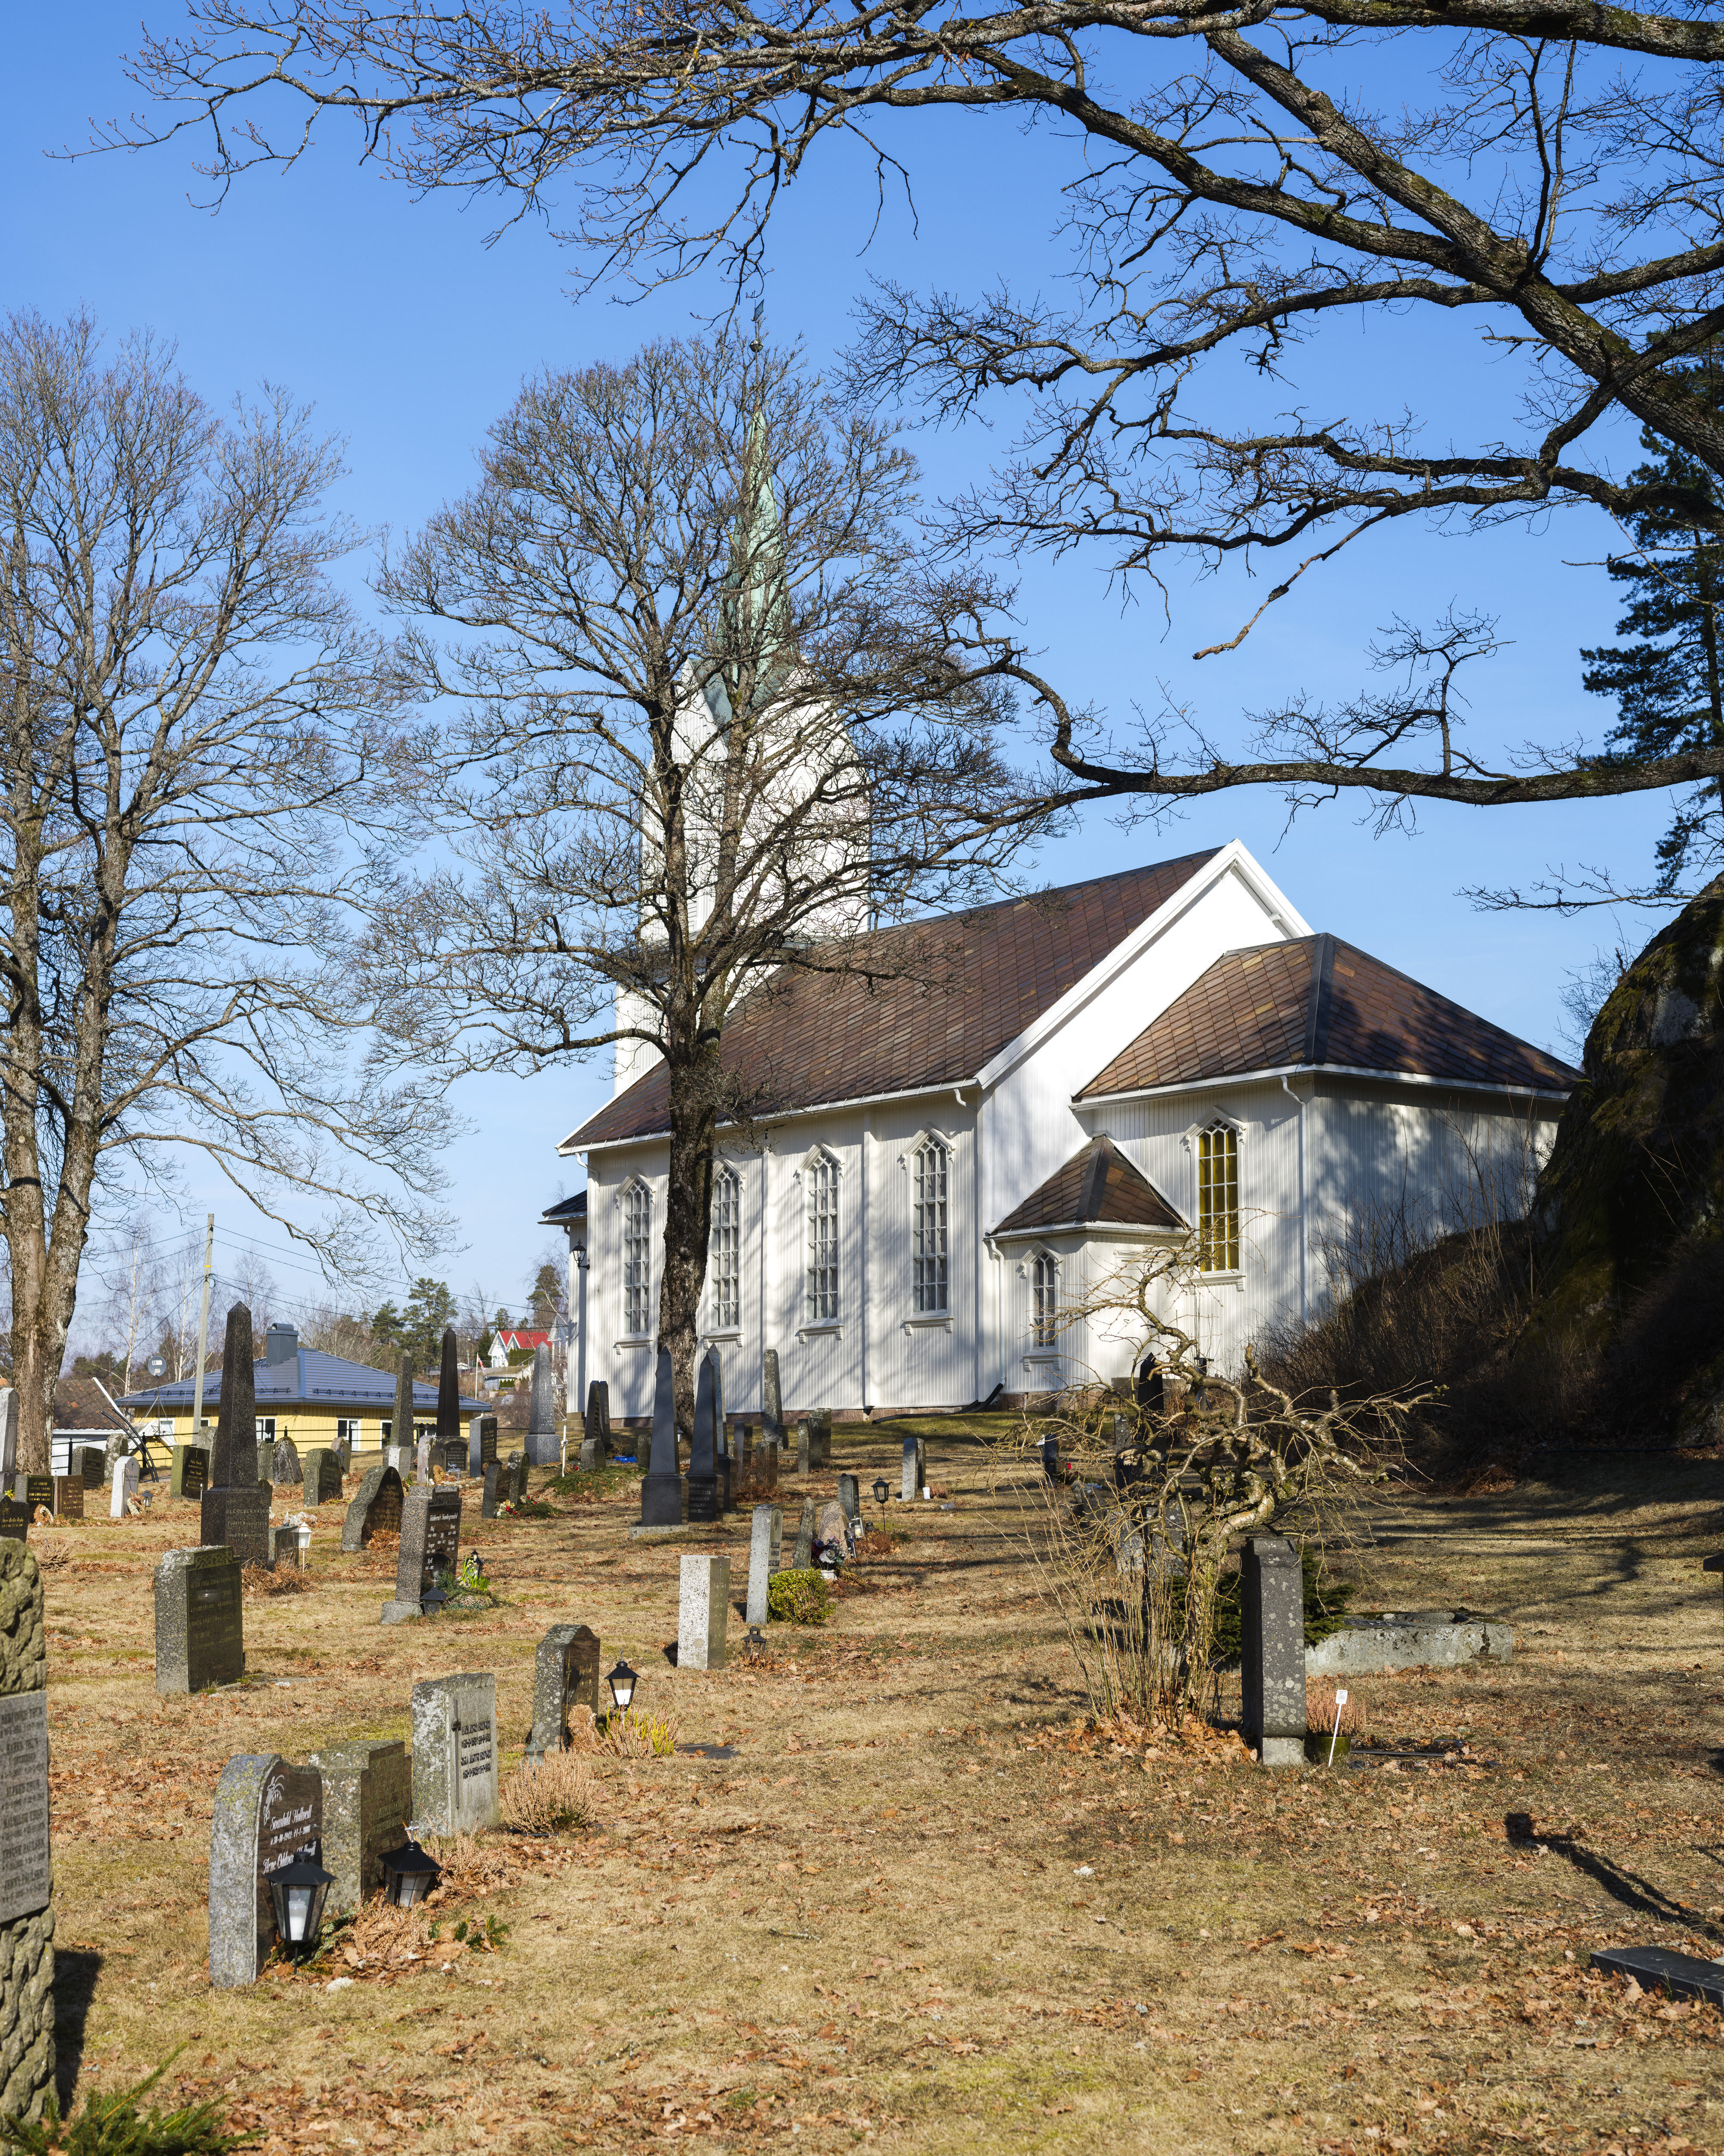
{"x": 951, "y": 1148}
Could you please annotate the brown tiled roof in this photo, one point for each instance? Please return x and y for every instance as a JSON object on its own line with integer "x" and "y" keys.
{"x": 1316, "y": 1002}
{"x": 78, "y": 1404}
{"x": 1096, "y": 1183}
{"x": 946, "y": 996}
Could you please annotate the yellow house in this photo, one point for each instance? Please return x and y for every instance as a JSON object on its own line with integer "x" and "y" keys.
{"x": 301, "y": 1393}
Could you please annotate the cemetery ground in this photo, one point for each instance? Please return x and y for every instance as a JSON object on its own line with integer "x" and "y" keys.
{"x": 919, "y": 1908}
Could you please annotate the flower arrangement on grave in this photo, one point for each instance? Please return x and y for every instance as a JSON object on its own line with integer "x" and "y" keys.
{"x": 1135, "y": 1555}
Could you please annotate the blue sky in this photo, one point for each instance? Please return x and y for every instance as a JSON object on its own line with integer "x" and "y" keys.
{"x": 410, "y": 335}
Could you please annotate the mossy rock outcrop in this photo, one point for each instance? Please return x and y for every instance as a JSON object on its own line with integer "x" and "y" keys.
{"x": 1631, "y": 1203}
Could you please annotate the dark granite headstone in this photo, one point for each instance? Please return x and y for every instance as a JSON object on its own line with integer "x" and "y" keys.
{"x": 322, "y": 1472}
{"x": 189, "y": 1472}
{"x": 662, "y": 1485}
{"x": 448, "y": 1388}
{"x": 200, "y": 1626}
{"x": 14, "y": 1521}
{"x": 515, "y": 1478}
{"x": 596, "y": 1428}
{"x": 455, "y": 1754}
{"x": 850, "y": 1497}
{"x": 565, "y": 1675}
{"x": 376, "y": 1509}
{"x": 1050, "y": 1459}
{"x": 235, "y": 1509}
{"x": 430, "y": 1544}
{"x": 487, "y": 1500}
{"x": 706, "y": 1494}
{"x": 267, "y": 1813}
{"x": 68, "y": 1496}
{"x": 819, "y": 1450}
{"x": 1662, "y": 1969}
{"x": 368, "y": 1800}
{"x": 1272, "y": 1660}
{"x": 481, "y": 1443}
{"x": 34, "y": 1490}
{"x": 87, "y": 1461}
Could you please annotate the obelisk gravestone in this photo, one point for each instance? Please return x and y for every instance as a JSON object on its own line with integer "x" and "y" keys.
{"x": 543, "y": 1448}
{"x": 662, "y": 1485}
{"x": 235, "y": 1509}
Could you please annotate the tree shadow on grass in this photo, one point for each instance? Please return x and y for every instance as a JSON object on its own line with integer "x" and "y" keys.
{"x": 1628, "y": 1888}
{"x": 75, "y": 1971}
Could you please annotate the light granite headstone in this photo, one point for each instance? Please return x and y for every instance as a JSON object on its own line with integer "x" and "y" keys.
{"x": 422, "y": 1460}
{"x": 400, "y": 1458}
{"x": 850, "y": 1497}
{"x": 123, "y": 1487}
{"x": 430, "y": 1544}
{"x": 565, "y": 1675}
{"x": 286, "y": 1466}
{"x": 375, "y": 1510}
{"x": 703, "y": 1613}
{"x": 200, "y": 1625}
{"x": 234, "y": 1511}
{"x": 189, "y": 1471}
{"x": 322, "y": 1472}
{"x": 455, "y": 1760}
{"x": 545, "y": 1448}
{"x": 765, "y": 1541}
{"x": 27, "y": 2057}
{"x": 910, "y": 1483}
{"x": 772, "y": 1406}
{"x": 1272, "y": 1659}
{"x": 267, "y": 1813}
{"x": 805, "y": 1443}
{"x": 368, "y": 1800}
{"x": 805, "y": 1536}
{"x": 662, "y": 1485}
{"x": 515, "y": 1478}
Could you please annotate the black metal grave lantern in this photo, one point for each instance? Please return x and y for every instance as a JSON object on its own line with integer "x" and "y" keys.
{"x": 880, "y": 1491}
{"x": 622, "y": 1681}
{"x": 755, "y": 1643}
{"x": 299, "y": 1890}
{"x": 409, "y": 1874}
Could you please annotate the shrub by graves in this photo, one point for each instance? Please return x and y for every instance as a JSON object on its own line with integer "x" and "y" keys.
{"x": 799, "y": 1598}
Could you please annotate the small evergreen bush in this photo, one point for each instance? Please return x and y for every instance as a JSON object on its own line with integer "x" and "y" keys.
{"x": 798, "y": 1598}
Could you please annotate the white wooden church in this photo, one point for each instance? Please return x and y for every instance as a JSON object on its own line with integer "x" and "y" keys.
{"x": 949, "y": 1154}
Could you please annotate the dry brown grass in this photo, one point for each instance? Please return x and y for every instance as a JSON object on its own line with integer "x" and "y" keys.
{"x": 541, "y": 1795}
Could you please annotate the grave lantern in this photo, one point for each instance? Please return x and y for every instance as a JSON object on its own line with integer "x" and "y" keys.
{"x": 298, "y": 1892}
{"x": 755, "y": 1643}
{"x": 880, "y": 1491}
{"x": 409, "y": 1874}
{"x": 432, "y": 1600}
{"x": 622, "y": 1681}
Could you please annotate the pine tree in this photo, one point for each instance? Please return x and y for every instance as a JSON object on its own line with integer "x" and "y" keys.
{"x": 1669, "y": 687}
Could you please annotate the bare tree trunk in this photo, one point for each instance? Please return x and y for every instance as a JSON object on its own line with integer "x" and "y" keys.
{"x": 688, "y": 1215}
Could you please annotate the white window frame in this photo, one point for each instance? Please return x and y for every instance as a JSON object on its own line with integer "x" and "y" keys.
{"x": 349, "y": 1429}
{"x": 1044, "y": 1303}
{"x": 634, "y": 1200}
{"x": 265, "y": 1430}
{"x": 822, "y": 1227}
{"x": 1230, "y": 1267}
{"x": 931, "y": 1267}
{"x": 726, "y": 1245}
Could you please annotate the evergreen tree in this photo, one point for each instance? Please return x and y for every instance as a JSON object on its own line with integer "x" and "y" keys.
{"x": 430, "y": 1308}
{"x": 546, "y": 1297}
{"x": 1668, "y": 685}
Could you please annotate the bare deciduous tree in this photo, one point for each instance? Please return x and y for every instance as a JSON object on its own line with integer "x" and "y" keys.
{"x": 1243, "y": 179}
{"x": 718, "y": 715}
{"x": 189, "y": 717}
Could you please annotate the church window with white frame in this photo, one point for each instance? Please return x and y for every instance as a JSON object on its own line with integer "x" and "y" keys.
{"x": 726, "y": 1247}
{"x": 637, "y": 1258}
{"x": 821, "y": 1176}
{"x": 931, "y": 1227}
{"x": 1044, "y": 1300}
{"x": 1218, "y": 1200}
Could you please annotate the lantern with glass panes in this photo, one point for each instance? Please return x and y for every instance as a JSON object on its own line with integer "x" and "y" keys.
{"x": 622, "y": 1681}
{"x": 298, "y": 1891}
{"x": 880, "y": 1491}
{"x": 409, "y": 1874}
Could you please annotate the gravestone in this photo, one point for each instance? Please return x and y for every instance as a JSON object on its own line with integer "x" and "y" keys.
{"x": 515, "y": 1478}
{"x": 706, "y": 1495}
{"x": 565, "y": 1675}
{"x": 487, "y": 1498}
{"x": 850, "y": 1498}
{"x": 267, "y": 1813}
{"x": 1050, "y": 1459}
{"x": 449, "y": 1428}
{"x": 68, "y": 1496}
{"x": 188, "y": 1472}
{"x": 33, "y": 1493}
{"x": 819, "y": 1433}
{"x": 422, "y": 1460}
{"x": 290, "y": 1548}
{"x": 805, "y": 1536}
{"x": 344, "y": 1453}
{"x": 596, "y": 1427}
{"x": 368, "y": 1800}
{"x": 323, "y": 1472}
{"x": 766, "y": 1544}
{"x": 451, "y": 1455}
{"x": 545, "y": 1448}
{"x": 376, "y": 1510}
{"x": 284, "y": 1465}
{"x": 430, "y": 1544}
{"x": 235, "y": 1509}
{"x": 482, "y": 1443}
{"x": 662, "y": 1485}
{"x": 200, "y": 1626}
{"x": 400, "y": 1458}
{"x": 14, "y": 1521}
{"x": 703, "y": 1612}
{"x": 834, "y": 1534}
{"x": 87, "y": 1461}
{"x": 1272, "y": 1659}
{"x": 401, "y": 1423}
{"x": 455, "y": 1754}
{"x": 8, "y": 1432}
{"x": 772, "y": 1406}
{"x": 27, "y": 2059}
{"x": 804, "y": 1444}
{"x": 123, "y": 1487}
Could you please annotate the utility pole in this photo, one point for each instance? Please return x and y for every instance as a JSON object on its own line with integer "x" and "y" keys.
{"x": 203, "y": 1333}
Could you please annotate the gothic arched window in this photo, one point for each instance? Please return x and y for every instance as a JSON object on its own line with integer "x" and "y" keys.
{"x": 930, "y": 1243}
{"x": 821, "y": 1175}
{"x": 637, "y": 1257}
{"x": 1044, "y": 1300}
{"x": 726, "y": 1248}
{"x": 1218, "y": 1200}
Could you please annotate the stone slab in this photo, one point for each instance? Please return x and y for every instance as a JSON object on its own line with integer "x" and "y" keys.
{"x": 376, "y": 1507}
{"x": 1272, "y": 1659}
{"x": 1662, "y": 1969}
{"x": 368, "y": 1800}
{"x": 200, "y": 1625}
{"x": 430, "y": 1539}
{"x": 26, "y": 1869}
{"x": 703, "y": 1613}
{"x": 765, "y": 1547}
{"x": 238, "y": 1518}
{"x": 1419, "y": 1639}
{"x": 322, "y": 1474}
{"x": 188, "y": 1474}
{"x": 455, "y": 1754}
{"x": 565, "y": 1678}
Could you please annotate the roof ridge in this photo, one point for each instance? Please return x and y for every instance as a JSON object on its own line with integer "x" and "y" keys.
{"x": 1317, "y": 1007}
{"x": 1095, "y": 1176}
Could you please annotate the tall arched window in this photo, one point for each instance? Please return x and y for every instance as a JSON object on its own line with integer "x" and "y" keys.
{"x": 637, "y": 1258}
{"x": 1044, "y": 1300}
{"x": 726, "y": 1246}
{"x": 822, "y": 1179}
{"x": 930, "y": 1228}
{"x": 1218, "y": 1200}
